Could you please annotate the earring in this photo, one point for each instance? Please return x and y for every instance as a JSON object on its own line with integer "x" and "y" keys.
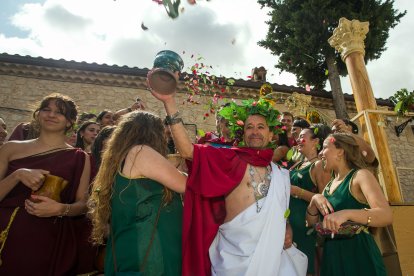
{"x": 318, "y": 147}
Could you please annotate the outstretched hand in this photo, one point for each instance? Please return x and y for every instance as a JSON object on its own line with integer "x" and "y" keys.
{"x": 138, "y": 105}
{"x": 339, "y": 125}
{"x": 163, "y": 97}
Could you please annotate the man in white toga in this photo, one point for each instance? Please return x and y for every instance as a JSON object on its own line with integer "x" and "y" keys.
{"x": 237, "y": 200}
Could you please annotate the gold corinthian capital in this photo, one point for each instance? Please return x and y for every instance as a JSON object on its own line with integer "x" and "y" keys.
{"x": 349, "y": 37}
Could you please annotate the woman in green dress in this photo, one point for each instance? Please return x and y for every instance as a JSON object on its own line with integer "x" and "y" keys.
{"x": 135, "y": 200}
{"x": 307, "y": 178}
{"x": 352, "y": 195}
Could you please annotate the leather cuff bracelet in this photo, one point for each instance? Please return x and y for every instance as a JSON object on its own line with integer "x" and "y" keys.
{"x": 173, "y": 119}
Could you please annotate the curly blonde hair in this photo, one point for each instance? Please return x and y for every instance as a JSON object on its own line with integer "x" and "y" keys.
{"x": 136, "y": 128}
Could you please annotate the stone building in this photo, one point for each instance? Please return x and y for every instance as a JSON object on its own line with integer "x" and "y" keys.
{"x": 25, "y": 80}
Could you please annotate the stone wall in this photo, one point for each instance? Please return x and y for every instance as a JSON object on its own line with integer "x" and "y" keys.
{"x": 402, "y": 152}
{"x": 19, "y": 96}
{"x": 20, "y": 92}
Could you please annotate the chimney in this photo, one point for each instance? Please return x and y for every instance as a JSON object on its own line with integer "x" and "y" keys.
{"x": 259, "y": 74}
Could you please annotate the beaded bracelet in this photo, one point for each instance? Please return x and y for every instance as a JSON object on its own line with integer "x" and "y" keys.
{"x": 66, "y": 212}
{"x": 309, "y": 213}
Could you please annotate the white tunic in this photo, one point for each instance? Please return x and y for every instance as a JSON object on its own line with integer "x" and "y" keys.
{"x": 252, "y": 243}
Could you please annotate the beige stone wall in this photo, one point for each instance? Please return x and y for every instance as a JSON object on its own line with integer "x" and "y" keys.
{"x": 20, "y": 95}
{"x": 402, "y": 152}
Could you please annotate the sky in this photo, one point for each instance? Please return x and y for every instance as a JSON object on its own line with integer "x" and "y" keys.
{"x": 224, "y": 33}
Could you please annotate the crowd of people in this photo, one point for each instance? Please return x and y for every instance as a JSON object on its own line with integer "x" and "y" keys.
{"x": 264, "y": 194}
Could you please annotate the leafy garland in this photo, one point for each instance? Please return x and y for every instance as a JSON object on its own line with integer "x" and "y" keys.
{"x": 236, "y": 115}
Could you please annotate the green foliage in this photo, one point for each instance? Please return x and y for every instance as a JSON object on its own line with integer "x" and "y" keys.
{"x": 201, "y": 133}
{"x": 403, "y": 100}
{"x": 299, "y": 30}
{"x": 289, "y": 154}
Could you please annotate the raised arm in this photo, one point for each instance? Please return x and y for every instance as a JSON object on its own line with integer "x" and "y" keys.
{"x": 145, "y": 161}
{"x": 135, "y": 106}
{"x": 366, "y": 149}
{"x": 179, "y": 133}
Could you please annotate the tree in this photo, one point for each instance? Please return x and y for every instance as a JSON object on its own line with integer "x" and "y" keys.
{"x": 403, "y": 100}
{"x": 299, "y": 31}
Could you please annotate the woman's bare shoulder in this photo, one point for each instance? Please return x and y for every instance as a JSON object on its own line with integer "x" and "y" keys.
{"x": 143, "y": 150}
{"x": 13, "y": 145}
{"x": 13, "y": 149}
{"x": 363, "y": 174}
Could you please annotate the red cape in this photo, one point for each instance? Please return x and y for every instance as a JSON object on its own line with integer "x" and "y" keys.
{"x": 213, "y": 173}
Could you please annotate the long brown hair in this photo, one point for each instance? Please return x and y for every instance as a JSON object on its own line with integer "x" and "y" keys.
{"x": 65, "y": 105}
{"x": 80, "y": 143}
{"x": 352, "y": 152}
{"x": 136, "y": 128}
